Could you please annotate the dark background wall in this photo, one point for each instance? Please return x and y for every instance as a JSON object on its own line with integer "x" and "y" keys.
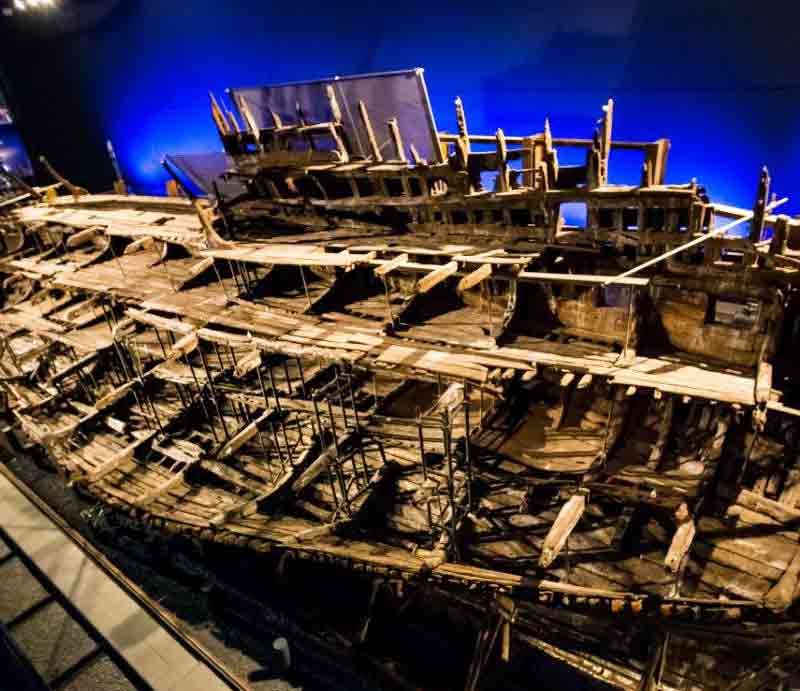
{"x": 721, "y": 78}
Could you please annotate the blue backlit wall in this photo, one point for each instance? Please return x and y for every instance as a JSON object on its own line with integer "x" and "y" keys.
{"x": 721, "y": 79}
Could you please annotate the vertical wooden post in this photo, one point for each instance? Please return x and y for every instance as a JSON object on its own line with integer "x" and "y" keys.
{"x": 528, "y": 160}
{"x": 780, "y": 237}
{"x": 760, "y": 207}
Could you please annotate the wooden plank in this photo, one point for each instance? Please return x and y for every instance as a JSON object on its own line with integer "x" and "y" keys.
{"x": 320, "y": 464}
{"x": 112, "y": 397}
{"x": 183, "y": 346}
{"x": 489, "y": 258}
{"x": 386, "y": 268}
{"x": 581, "y": 279}
{"x": 435, "y": 277}
{"x": 769, "y": 507}
{"x": 782, "y": 595}
{"x": 243, "y": 436}
{"x": 159, "y": 322}
{"x": 680, "y": 545}
{"x": 474, "y": 278}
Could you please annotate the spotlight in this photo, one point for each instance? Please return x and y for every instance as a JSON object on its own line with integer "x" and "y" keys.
{"x": 20, "y": 5}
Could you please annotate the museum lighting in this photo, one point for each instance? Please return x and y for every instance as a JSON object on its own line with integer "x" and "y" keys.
{"x": 25, "y": 5}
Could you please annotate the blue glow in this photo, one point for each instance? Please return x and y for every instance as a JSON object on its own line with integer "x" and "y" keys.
{"x": 674, "y": 71}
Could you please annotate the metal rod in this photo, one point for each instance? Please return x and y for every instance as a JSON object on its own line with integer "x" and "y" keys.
{"x": 213, "y": 394}
{"x": 277, "y": 444}
{"x": 450, "y": 479}
{"x": 180, "y": 394}
{"x": 467, "y": 445}
{"x": 340, "y": 394}
{"x": 353, "y": 400}
{"x": 388, "y": 301}
{"x": 421, "y": 445}
{"x": 219, "y": 357}
{"x": 219, "y": 279}
{"x": 305, "y": 285}
{"x": 160, "y": 342}
{"x": 278, "y": 408}
{"x": 163, "y": 263}
{"x": 274, "y": 388}
{"x": 322, "y": 443}
{"x": 263, "y": 388}
{"x": 339, "y": 473}
{"x": 245, "y": 277}
{"x": 116, "y": 258}
{"x": 286, "y": 374}
{"x": 233, "y": 275}
{"x": 302, "y": 376}
{"x": 320, "y": 429}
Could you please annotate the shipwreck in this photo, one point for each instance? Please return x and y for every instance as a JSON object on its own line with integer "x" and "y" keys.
{"x": 439, "y": 359}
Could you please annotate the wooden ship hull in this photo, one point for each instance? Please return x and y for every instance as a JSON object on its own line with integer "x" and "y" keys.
{"x": 585, "y": 435}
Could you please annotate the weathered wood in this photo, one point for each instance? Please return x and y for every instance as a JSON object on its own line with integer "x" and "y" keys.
{"x": 680, "y": 545}
{"x": 559, "y": 532}
{"x": 243, "y": 436}
{"x": 435, "y": 277}
{"x": 397, "y": 140}
{"x": 116, "y": 461}
{"x": 474, "y": 278}
{"x": 768, "y": 507}
{"x": 784, "y": 592}
{"x": 319, "y": 465}
{"x": 581, "y": 279}
{"x": 387, "y": 267}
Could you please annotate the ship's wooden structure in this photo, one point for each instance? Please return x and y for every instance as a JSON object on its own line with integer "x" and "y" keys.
{"x": 440, "y": 359}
